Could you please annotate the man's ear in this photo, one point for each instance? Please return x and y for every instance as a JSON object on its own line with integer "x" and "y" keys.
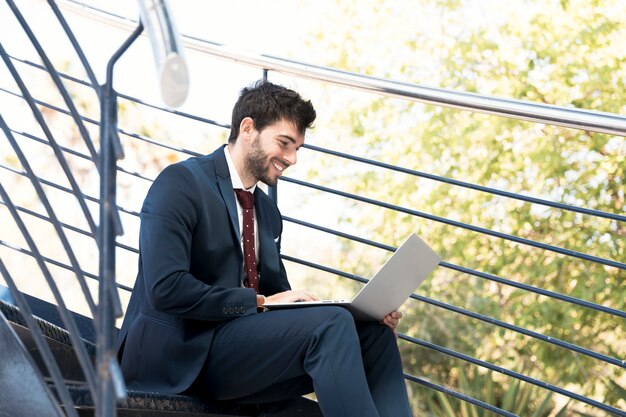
{"x": 246, "y": 128}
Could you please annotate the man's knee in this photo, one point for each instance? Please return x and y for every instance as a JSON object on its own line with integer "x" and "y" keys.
{"x": 339, "y": 314}
{"x": 336, "y": 322}
{"x": 367, "y": 330}
{"x": 335, "y": 315}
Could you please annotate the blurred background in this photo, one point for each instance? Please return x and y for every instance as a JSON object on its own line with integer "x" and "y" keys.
{"x": 565, "y": 53}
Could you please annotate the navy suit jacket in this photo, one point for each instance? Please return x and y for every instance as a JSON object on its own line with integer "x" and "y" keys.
{"x": 191, "y": 273}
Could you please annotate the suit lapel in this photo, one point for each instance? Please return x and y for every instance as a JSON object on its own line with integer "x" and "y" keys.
{"x": 226, "y": 189}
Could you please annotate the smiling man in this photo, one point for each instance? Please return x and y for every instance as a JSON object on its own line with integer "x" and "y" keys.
{"x": 209, "y": 258}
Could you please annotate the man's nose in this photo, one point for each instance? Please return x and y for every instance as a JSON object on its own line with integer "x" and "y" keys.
{"x": 291, "y": 157}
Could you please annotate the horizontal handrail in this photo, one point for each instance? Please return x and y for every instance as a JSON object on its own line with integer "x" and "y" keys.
{"x": 491, "y": 190}
{"x": 471, "y": 359}
{"x": 570, "y": 117}
{"x": 521, "y": 330}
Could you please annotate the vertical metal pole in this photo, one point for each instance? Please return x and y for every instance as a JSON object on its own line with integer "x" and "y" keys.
{"x": 108, "y": 382}
{"x": 105, "y": 403}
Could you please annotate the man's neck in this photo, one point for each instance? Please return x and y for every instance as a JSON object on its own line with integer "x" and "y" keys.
{"x": 237, "y": 158}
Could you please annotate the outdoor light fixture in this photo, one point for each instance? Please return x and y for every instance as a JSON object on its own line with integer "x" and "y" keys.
{"x": 168, "y": 53}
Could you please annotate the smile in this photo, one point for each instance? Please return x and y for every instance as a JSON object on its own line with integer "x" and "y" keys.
{"x": 279, "y": 167}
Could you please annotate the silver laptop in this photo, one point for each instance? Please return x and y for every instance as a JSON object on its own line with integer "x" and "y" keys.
{"x": 392, "y": 285}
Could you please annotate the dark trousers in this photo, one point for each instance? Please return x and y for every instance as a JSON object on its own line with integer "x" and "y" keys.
{"x": 354, "y": 368}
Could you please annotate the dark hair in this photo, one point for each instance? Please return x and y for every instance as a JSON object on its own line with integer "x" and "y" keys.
{"x": 267, "y": 103}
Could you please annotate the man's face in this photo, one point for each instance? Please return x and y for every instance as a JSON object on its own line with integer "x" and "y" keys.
{"x": 272, "y": 151}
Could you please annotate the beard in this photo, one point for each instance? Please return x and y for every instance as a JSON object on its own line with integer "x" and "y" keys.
{"x": 256, "y": 163}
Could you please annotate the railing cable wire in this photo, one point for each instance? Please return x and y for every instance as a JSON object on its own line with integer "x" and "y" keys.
{"x": 68, "y": 320}
{"x": 515, "y": 375}
{"x": 71, "y": 227}
{"x": 481, "y": 317}
{"x": 42, "y": 123}
{"x": 490, "y": 190}
{"x": 79, "y": 154}
{"x": 55, "y": 221}
{"x": 479, "y": 274}
{"x": 129, "y": 97}
{"x": 482, "y": 230}
{"x": 52, "y": 72}
{"x": 120, "y": 130}
{"x": 42, "y": 347}
{"x": 57, "y": 263}
{"x": 67, "y": 190}
{"x": 458, "y": 395}
{"x": 79, "y": 51}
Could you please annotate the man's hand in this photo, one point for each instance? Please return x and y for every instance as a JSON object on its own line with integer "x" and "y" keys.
{"x": 291, "y": 296}
{"x": 391, "y": 320}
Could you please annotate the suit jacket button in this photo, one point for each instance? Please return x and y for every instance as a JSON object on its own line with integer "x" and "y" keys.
{"x": 225, "y": 310}
{"x": 230, "y": 310}
{"x": 243, "y": 310}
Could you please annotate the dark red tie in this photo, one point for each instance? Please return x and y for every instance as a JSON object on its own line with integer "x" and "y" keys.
{"x": 246, "y": 199}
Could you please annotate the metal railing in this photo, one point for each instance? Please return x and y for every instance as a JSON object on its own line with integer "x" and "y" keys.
{"x": 560, "y": 116}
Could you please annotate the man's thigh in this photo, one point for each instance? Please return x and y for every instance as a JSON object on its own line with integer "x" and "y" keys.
{"x": 257, "y": 357}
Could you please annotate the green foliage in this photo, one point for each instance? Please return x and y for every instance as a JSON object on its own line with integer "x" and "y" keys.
{"x": 518, "y": 398}
{"x": 565, "y": 53}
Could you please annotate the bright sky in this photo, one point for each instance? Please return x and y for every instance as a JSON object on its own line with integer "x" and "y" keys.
{"x": 274, "y": 27}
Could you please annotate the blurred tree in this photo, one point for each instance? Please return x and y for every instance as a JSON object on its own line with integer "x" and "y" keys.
{"x": 566, "y": 53}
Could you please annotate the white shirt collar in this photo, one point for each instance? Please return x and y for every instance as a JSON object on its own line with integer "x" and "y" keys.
{"x": 234, "y": 175}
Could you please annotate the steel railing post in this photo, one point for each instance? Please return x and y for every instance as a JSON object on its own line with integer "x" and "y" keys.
{"x": 110, "y": 383}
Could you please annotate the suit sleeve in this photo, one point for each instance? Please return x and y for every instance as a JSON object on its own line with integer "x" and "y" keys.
{"x": 170, "y": 213}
